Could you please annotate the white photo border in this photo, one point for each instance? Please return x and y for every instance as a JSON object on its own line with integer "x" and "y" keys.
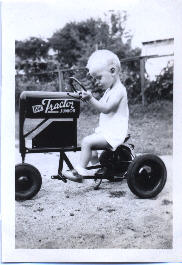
{"x": 9, "y": 253}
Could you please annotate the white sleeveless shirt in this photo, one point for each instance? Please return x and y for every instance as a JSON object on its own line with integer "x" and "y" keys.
{"x": 113, "y": 126}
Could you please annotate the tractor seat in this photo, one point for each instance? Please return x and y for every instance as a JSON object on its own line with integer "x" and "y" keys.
{"x": 127, "y": 138}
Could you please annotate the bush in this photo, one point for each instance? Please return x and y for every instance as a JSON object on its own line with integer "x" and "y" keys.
{"x": 162, "y": 87}
{"x": 131, "y": 80}
{"x": 32, "y": 83}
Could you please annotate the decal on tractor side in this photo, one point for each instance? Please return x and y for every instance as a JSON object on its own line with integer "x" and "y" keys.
{"x": 37, "y": 108}
{"x": 57, "y": 106}
{"x": 54, "y": 106}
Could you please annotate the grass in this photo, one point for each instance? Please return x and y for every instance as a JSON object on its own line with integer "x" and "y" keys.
{"x": 150, "y": 127}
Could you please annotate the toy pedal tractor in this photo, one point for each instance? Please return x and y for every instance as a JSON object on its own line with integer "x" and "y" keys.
{"x": 57, "y": 132}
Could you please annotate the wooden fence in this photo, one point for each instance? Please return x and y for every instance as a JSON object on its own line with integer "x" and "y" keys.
{"x": 143, "y": 59}
{"x": 60, "y": 72}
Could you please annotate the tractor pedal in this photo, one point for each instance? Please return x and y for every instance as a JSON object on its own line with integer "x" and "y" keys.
{"x": 102, "y": 172}
{"x": 60, "y": 177}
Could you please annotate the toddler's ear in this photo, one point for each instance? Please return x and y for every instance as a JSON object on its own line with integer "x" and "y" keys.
{"x": 112, "y": 70}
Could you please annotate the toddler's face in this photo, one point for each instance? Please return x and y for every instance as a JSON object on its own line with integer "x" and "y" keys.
{"x": 103, "y": 78}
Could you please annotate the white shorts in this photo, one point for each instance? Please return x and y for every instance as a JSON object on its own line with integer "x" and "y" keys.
{"x": 113, "y": 139}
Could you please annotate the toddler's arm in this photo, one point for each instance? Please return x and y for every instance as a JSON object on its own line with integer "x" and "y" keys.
{"x": 104, "y": 107}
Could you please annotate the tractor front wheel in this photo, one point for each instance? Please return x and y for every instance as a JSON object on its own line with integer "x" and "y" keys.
{"x": 28, "y": 181}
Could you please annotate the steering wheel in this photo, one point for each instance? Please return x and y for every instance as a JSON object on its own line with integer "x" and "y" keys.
{"x": 77, "y": 94}
{"x": 71, "y": 82}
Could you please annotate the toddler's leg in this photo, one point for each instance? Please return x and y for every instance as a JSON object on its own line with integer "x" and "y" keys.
{"x": 90, "y": 142}
{"x": 94, "y": 159}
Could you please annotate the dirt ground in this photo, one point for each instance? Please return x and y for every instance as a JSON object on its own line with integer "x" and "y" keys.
{"x": 74, "y": 215}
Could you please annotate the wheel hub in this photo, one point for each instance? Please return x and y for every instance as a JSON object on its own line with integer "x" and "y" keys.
{"x": 23, "y": 179}
{"x": 23, "y": 183}
{"x": 146, "y": 169}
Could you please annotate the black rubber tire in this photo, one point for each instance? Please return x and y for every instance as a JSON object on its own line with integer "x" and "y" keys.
{"x": 28, "y": 181}
{"x": 146, "y": 176}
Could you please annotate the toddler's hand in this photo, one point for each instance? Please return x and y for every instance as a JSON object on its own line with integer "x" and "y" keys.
{"x": 86, "y": 95}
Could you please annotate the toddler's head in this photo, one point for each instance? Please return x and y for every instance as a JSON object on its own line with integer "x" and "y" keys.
{"x": 104, "y": 66}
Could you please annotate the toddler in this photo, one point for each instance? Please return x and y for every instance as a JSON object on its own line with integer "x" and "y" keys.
{"x": 104, "y": 67}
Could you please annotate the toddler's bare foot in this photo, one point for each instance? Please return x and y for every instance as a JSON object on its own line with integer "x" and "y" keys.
{"x": 73, "y": 175}
{"x": 84, "y": 172}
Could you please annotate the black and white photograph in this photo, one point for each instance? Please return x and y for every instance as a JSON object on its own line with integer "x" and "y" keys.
{"x": 91, "y": 131}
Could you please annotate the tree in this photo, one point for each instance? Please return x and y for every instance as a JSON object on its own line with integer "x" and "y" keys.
{"x": 76, "y": 41}
{"x": 31, "y": 55}
{"x": 33, "y": 48}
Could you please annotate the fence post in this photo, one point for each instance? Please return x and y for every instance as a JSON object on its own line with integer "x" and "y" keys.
{"x": 142, "y": 79}
{"x": 60, "y": 80}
